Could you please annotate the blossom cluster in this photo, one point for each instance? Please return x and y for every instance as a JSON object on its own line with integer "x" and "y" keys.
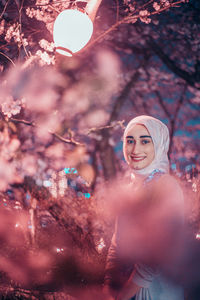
{"x": 45, "y": 58}
{"x": 10, "y": 107}
{"x": 13, "y": 32}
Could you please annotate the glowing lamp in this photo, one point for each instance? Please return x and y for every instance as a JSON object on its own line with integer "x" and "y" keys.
{"x": 72, "y": 31}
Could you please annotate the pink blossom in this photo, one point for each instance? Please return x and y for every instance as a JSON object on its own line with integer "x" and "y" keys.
{"x": 146, "y": 20}
{"x": 11, "y": 107}
{"x": 46, "y": 45}
{"x": 167, "y": 3}
{"x": 45, "y": 58}
{"x": 144, "y": 13}
{"x": 156, "y": 6}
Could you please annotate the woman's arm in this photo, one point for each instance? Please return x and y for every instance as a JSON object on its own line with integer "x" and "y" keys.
{"x": 111, "y": 269}
{"x": 141, "y": 277}
{"x": 129, "y": 291}
{"x": 116, "y": 271}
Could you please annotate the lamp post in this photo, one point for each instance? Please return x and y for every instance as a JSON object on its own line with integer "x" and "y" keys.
{"x": 73, "y": 28}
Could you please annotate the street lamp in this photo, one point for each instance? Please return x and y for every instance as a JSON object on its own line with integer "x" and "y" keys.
{"x": 73, "y": 28}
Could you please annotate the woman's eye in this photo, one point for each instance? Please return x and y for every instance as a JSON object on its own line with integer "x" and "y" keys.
{"x": 130, "y": 141}
{"x": 145, "y": 142}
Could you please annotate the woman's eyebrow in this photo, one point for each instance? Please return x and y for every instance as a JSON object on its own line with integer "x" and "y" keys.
{"x": 145, "y": 136}
{"x": 142, "y": 136}
{"x": 129, "y": 137}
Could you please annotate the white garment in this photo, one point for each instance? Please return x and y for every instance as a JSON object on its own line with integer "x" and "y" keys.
{"x": 155, "y": 287}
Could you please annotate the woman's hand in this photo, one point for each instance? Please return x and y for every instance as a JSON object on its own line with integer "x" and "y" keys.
{"x": 129, "y": 291}
{"x": 107, "y": 293}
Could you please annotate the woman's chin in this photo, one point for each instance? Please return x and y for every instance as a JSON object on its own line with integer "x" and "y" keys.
{"x": 136, "y": 166}
{"x": 139, "y": 165}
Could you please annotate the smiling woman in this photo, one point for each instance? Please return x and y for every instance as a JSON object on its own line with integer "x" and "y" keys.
{"x": 147, "y": 228}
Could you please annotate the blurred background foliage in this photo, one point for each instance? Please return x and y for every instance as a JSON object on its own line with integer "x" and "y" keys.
{"x": 61, "y": 125}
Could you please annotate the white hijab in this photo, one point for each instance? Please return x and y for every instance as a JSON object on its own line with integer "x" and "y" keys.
{"x": 160, "y": 137}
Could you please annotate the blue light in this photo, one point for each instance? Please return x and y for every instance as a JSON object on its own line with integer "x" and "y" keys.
{"x": 67, "y": 170}
{"x": 87, "y": 195}
{"x": 28, "y": 196}
{"x": 70, "y": 171}
{"x": 47, "y": 183}
{"x": 74, "y": 171}
{"x": 173, "y": 166}
{"x": 189, "y": 167}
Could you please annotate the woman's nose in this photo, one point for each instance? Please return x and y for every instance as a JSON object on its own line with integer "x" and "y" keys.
{"x": 136, "y": 148}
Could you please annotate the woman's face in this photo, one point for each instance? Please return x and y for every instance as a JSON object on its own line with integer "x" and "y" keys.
{"x": 138, "y": 147}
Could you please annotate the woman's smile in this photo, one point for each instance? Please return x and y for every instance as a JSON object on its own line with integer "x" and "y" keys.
{"x": 137, "y": 158}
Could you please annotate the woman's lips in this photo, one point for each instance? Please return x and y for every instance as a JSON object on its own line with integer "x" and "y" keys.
{"x": 137, "y": 158}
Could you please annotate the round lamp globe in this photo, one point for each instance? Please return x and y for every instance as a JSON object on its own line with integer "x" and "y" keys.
{"x": 72, "y": 31}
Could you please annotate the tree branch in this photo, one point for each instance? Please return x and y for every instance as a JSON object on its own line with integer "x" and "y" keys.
{"x": 3, "y": 12}
{"x": 180, "y": 102}
{"x": 70, "y": 141}
{"x": 8, "y": 58}
{"x": 122, "y": 98}
{"x": 173, "y": 120}
{"x": 172, "y": 116}
{"x": 96, "y": 129}
{"x": 188, "y": 77}
{"x": 161, "y": 102}
{"x": 132, "y": 18}
{"x": 20, "y": 27}
{"x": 17, "y": 121}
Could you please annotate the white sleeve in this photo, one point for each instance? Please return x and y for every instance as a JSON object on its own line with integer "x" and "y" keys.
{"x": 144, "y": 275}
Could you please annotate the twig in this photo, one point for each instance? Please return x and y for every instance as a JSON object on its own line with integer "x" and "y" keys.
{"x": 119, "y": 102}
{"x": 20, "y": 25}
{"x": 28, "y": 62}
{"x": 50, "y": 5}
{"x": 180, "y": 102}
{"x": 94, "y": 129}
{"x": 20, "y": 20}
{"x": 178, "y": 107}
{"x": 102, "y": 35}
{"x": 169, "y": 115}
{"x": 67, "y": 141}
{"x": 29, "y": 123}
{"x": 117, "y": 13}
{"x": 131, "y": 18}
{"x": 70, "y": 141}
{"x": 167, "y": 7}
{"x": 3, "y": 12}
{"x": 172, "y": 117}
{"x": 53, "y": 8}
{"x": 8, "y": 58}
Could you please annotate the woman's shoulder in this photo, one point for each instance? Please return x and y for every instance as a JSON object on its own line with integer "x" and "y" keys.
{"x": 167, "y": 180}
{"x": 161, "y": 179}
{"x": 168, "y": 187}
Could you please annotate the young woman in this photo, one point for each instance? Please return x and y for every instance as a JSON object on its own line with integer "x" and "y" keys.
{"x": 145, "y": 147}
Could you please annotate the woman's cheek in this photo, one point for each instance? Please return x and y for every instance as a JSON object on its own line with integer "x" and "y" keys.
{"x": 127, "y": 152}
